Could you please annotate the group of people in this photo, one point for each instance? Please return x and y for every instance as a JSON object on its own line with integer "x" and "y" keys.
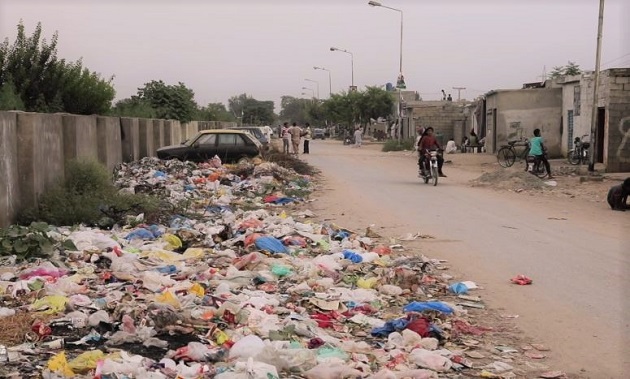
{"x": 291, "y": 137}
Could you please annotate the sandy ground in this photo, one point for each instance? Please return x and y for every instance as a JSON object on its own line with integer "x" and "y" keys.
{"x": 564, "y": 237}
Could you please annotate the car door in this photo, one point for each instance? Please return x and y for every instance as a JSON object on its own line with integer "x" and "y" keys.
{"x": 231, "y": 146}
{"x": 204, "y": 148}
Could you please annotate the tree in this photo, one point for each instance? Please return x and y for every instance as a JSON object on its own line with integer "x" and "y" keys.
{"x": 294, "y": 109}
{"x": 358, "y": 106}
{"x": 9, "y": 98}
{"x": 252, "y": 111}
{"x": 214, "y": 112}
{"x": 46, "y": 84}
{"x": 133, "y": 107}
{"x": 174, "y": 102}
{"x": 570, "y": 69}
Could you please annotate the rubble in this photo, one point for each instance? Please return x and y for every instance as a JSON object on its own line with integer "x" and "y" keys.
{"x": 237, "y": 280}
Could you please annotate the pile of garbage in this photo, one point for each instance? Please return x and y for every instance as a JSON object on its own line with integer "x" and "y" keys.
{"x": 242, "y": 282}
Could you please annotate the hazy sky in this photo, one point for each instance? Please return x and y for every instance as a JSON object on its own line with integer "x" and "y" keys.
{"x": 266, "y": 48}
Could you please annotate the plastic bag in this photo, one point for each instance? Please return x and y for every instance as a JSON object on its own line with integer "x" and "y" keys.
{"x": 328, "y": 371}
{"x": 352, "y": 256}
{"x": 167, "y": 297}
{"x": 86, "y": 361}
{"x": 390, "y": 290}
{"x": 428, "y": 359}
{"x": 50, "y": 304}
{"x": 367, "y": 283}
{"x": 271, "y": 244}
{"x": 458, "y": 288}
{"x": 59, "y": 364}
{"x": 280, "y": 270}
{"x": 421, "y": 306}
{"x": 247, "y": 347}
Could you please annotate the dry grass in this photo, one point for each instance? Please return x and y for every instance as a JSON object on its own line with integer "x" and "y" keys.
{"x": 17, "y": 328}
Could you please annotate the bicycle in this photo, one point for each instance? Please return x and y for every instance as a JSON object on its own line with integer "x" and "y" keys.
{"x": 506, "y": 156}
{"x": 536, "y": 167}
{"x": 579, "y": 154}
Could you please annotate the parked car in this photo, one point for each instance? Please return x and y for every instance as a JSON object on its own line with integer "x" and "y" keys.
{"x": 256, "y": 131}
{"x": 319, "y": 133}
{"x": 229, "y": 145}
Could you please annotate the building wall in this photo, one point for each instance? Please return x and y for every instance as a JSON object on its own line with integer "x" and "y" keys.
{"x": 9, "y": 187}
{"x": 443, "y": 116}
{"x": 519, "y": 112}
{"x": 617, "y": 139}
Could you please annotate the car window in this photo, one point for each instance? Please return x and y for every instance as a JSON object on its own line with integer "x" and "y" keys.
{"x": 207, "y": 139}
{"x": 231, "y": 139}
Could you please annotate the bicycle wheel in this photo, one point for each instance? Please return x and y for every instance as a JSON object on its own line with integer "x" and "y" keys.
{"x": 574, "y": 157}
{"x": 506, "y": 156}
{"x": 434, "y": 174}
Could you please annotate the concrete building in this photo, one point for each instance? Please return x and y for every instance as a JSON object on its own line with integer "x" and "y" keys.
{"x": 613, "y": 115}
{"x": 511, "y": 114}
{"x": 446, "y": 117}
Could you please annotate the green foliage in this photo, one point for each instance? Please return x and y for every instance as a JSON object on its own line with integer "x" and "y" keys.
{"x": 26, "y": 242}
{"x": 173, "y": 102}
{"x": 214, "y": 112}
{"x": 133, "y": 107}
{"x": 45, "y": 83}
{"x": 9, "y": 98}
{"x": 570, "y": 69}
{"x": 393, "y": 145}
{"x": 87, "y": 196}
{"x": 354, "y": 107}
{"x": 252, "y": 111}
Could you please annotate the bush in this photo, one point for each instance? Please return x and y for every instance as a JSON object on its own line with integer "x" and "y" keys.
{"x": 87, "y": 196}
{"x": 394, "y": 145}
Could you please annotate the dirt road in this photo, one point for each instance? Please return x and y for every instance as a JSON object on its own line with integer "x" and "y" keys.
{"x": 576, "y": 250}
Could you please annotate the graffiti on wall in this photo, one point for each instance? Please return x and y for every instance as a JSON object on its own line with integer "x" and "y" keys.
{"x": 624, "y": 129}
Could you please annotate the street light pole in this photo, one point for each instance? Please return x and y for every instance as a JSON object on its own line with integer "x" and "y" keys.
{"x": 329, "y": 79}
{"x": 351, "y": 62}
{"x": 310, "y": 89}
{"x": 401, "y": 81}
{"x": 594, "y": 118}
{"x": 316, "y": 82}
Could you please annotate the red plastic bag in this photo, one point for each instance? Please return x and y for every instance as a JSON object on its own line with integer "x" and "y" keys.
{"x": 521, "y": 280}
{"x": 420, "y": 325}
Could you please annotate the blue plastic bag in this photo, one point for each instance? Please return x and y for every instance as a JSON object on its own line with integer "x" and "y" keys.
{"x": 390, "y": 327}
{"x": 352, "y": 256}
{"x": 458, "y": 288}
{"x": 421, "y": 306}
{"x": 141, "y": 233}
{"x": 169, "y": 269}
{"x": 271, "y": 244}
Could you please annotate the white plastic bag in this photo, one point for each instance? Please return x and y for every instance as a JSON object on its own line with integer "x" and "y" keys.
{"x": 247, "y": 347}
{"x": 428, "y": 359}
{"x": 328, "y": 371}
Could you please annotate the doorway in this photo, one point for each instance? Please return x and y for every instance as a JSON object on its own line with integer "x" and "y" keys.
{"x": 601, "y": 133}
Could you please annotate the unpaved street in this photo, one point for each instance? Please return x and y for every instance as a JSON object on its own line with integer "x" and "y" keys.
{"x": 575, "y": 249}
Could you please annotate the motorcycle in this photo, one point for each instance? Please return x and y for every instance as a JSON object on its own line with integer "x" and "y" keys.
{"x": 429, "y": 169}
{"x": 348, "y": 140}
{"x": 579, "y": 154}
{"x": 536, "y": 167}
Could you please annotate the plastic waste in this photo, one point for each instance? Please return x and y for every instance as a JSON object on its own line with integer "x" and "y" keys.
{"x": 247, "y": 347}
{"x": 334, "y": 371}
{"x": 352, "y": 256}
{"x": 50, "y": 304}
{"x": 51, "y": 272}
{"x": 390, "y": 327}
{"x": 367, "y": 283}
{"x": 59, "y": 364}
{"x": 421, "y": 306}
{"x": 280, "y": 270}
{"x": 390, "y": 290}
{"x": 271, "y": 244}
{"x": 86, "y": 361}
{"x": 5, "y": 312}
{"x": 458, "y": 288}
{"x": 428, "y": 359}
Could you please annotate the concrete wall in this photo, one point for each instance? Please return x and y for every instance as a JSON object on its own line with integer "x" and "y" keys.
{"x": 9, "y": 188}
{"x": 130, "y": 138}
{"x": 80, "y": 138}
{"x": 110, "y": 143}
{"x": 34, "y": 148}
{"x": 40, "y": 154}
{"x": 519, "y": 112}
{"x": 443, "y": 116}
{"x": 617, "y": 128}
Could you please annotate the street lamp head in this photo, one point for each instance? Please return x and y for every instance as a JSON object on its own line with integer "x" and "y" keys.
{"x": 316, "y": 68}
{"x": 374, "y": 3}
{"x": 333, "y": 49}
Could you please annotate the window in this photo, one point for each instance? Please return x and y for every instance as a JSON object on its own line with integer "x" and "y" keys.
{"x": 570, "y": 127}
{"x": 576, "y": 100}
{"x": 231, "y": 139}
{"x": 207, "y": 139}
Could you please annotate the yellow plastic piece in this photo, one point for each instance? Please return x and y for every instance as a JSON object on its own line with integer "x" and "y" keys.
{"x": 59, "y": 364}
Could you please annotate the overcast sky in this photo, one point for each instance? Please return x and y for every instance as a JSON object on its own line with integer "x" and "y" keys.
{"x": 266, "y": 48}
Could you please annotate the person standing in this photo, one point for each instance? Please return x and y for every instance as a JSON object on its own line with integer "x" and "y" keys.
{"x": 307, "y": 138}
{"x": 358, "y": 137}
{"x": 286, "y": 137}
{"x": 296, "y": 134}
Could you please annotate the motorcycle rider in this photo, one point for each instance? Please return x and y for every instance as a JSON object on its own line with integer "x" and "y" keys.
{"x": 428, "y": 142}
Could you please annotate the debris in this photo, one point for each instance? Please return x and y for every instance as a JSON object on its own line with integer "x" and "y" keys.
{"x": 521, "y": 280}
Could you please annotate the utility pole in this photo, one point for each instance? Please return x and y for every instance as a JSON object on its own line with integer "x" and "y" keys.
{"x": 459, "y": 91}
{"x": 594, "y": 136}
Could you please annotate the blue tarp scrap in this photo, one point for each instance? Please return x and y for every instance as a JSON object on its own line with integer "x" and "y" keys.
{"x": 271, "y": 244}
{"x": 391, "y": 326}
{"x": 421, "y": 306}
